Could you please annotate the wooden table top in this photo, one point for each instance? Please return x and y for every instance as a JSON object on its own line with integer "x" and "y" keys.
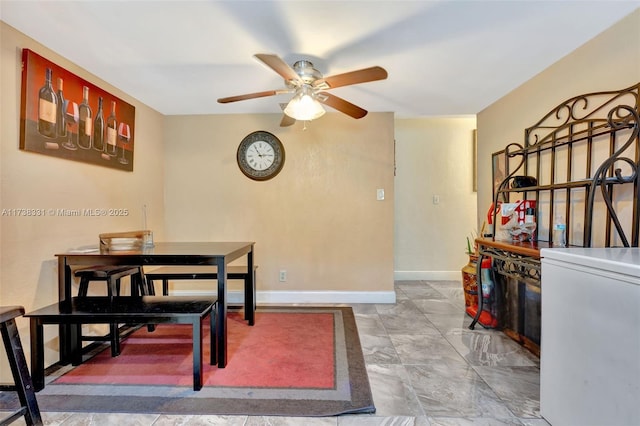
{"x": 525, "y": 248}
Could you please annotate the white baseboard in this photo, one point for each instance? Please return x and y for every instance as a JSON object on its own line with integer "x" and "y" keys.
{"x": 427, "y": 275}
{"x": 326, "y": 297}
{"x": 288, "y": 297}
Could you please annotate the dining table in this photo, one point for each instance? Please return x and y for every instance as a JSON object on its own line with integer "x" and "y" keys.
{"x": 218, "y": 254}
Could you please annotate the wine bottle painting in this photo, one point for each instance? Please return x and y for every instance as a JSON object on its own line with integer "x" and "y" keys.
{"x": 65, "y": 116}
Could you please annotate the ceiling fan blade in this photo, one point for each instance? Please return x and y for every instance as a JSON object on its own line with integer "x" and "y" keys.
{"x": 353, "y": 77}
{"x": 287, "y": 121}
{"x": 341, "y": 105}
{"x": 248, "y": 96}
{"x": 278, "y": 65}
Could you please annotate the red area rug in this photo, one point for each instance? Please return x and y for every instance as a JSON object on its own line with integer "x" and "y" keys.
{"x": 292, "y": 362}
{"x": 282, "y": 350}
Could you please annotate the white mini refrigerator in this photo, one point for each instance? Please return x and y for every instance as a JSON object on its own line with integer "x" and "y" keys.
{"x": 590, "y": 343}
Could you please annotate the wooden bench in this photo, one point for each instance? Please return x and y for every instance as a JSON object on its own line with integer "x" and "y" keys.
{"x": 129, "y": 309}
{"x": 166, "y": 273}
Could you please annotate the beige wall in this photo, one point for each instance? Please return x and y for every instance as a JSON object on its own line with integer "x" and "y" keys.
{"x": 28, "y": 268}
{"x": 318, "y": 219}
{"x": 610, "y": 61}
{"x": 434, "y": 157}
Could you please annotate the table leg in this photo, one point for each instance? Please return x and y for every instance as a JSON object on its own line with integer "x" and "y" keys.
{"x": 212, "y": 335}
{"x": 76, "y": 348}
{"x": 37, "y": 354}
{"x": 250, "y": 291}
{"x": 197, "y": 354}
{"x": 65, "y": 332}
{"x": 221, "y": 320}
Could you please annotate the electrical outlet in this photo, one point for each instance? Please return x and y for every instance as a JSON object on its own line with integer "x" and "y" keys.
{"x": 283, "y": 275}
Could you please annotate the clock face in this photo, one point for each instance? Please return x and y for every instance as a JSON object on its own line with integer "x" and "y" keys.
{"x": 260, "y": 155}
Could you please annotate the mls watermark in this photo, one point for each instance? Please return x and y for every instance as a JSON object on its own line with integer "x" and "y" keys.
{"x": 62, "y": 212}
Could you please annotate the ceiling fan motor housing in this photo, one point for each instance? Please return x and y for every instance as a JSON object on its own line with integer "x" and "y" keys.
{"x": 308, "y": 74}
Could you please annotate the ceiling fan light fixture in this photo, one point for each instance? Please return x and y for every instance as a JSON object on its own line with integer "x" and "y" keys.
{"x": 304, "y": 106}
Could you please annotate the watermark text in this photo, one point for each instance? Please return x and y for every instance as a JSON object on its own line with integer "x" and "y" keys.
{"x": 63, "y": 212}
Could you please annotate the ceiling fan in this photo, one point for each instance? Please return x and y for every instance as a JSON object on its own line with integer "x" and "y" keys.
{"x": 309, "y": 87}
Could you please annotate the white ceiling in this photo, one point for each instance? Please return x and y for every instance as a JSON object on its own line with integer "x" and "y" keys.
{"x": 448, "y": 57}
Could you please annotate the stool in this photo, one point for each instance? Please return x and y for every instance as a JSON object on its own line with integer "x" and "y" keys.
{"x": 23, "y": 384}
{"x": 112, "y": 275}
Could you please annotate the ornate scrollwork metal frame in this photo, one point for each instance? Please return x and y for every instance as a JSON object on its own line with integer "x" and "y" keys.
{"x": 591, "y": 111}
{"x": 520, "y": 267}
{"x": 587, "y": 118}
{"x": 617, "y": 119}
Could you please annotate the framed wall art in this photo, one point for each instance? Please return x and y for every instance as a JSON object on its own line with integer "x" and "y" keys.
{"x": 475, "y": 160}
{"x": 65, "y": 116}
{"x": 499, "y": 170}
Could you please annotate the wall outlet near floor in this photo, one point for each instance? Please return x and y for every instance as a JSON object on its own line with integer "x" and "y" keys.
{"x": 283, "y": 275}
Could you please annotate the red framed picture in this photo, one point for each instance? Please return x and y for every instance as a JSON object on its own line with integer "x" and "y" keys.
{"x": 63, "y": 115}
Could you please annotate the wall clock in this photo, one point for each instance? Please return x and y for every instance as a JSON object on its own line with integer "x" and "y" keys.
{"x": 260, "y": 155}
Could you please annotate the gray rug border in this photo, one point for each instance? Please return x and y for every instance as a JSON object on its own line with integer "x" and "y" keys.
{"x": 311, "y": 403}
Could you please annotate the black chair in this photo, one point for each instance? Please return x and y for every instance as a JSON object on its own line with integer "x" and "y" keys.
{"x": 23, "y": 384}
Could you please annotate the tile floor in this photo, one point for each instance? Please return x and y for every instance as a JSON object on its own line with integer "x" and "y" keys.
{"x": 425, "y": 367}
